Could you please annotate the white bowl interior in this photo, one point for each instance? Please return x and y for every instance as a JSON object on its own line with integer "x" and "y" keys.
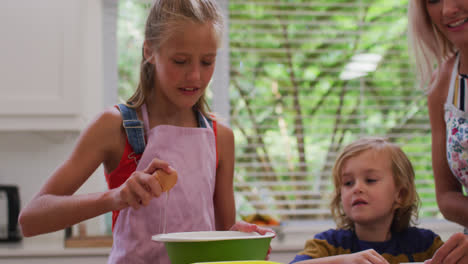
{"x": 208, "y": 236}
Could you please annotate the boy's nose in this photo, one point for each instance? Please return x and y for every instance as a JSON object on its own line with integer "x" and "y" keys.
{"x": 358, "y": 187}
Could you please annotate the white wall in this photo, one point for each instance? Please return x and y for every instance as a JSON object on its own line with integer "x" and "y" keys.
{"x": 28, "y": 158}
{"x": 220, "y": 82}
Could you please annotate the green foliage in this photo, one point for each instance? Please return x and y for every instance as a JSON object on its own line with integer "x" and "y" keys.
{"x": 292, "y": 112}
{"x": 131, "y": 23}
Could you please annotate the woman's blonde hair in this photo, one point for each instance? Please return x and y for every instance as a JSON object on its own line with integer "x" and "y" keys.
{"x": 163, "y": 20}
{"x": 403, "y": 175}
{"x": 428, "y": 46}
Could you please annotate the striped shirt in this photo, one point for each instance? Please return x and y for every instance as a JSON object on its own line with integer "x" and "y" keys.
{"x": 412, "y": 245}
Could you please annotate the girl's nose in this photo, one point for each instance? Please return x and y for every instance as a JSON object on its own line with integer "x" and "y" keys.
{"x": 194, "y": 73}
{"x": 450, "y": 8}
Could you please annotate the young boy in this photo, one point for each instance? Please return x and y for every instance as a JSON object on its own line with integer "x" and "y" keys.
{"x": 374, "y": 204}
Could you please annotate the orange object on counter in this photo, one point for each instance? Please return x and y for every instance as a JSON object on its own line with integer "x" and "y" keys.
{"x": 261, "y": 220}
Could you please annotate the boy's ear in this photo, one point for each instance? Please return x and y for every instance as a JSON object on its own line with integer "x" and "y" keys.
{"x": 148, "y": 52}
{"x": 401, "y": 195}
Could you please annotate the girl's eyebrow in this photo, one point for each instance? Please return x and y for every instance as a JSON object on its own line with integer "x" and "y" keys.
{"x": 190, "y": 54}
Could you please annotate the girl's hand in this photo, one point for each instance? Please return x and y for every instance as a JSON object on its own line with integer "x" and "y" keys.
{"x": 248, "y": 228}
{"x": 141, "y": 186}
{"x": 454, "y": 250}
{"x": 366, "y": 256}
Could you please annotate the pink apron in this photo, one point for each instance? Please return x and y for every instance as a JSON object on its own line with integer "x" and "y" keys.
{"x": 192, "y": 152}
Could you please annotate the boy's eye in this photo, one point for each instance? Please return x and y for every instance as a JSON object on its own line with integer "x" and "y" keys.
{"x": 433, "y": 1}
{"x": 347, "y": 183}
{"x": 371, "y": 180}
{"x": 207, "y": 63}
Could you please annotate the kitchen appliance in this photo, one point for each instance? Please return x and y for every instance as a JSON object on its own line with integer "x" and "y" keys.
{"x": 9, "y": 211}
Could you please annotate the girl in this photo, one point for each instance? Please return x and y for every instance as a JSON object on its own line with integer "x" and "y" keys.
{"x": 374, "y": 204}
{"x": 179, "y": 54}
{"x": 438, "y": 32}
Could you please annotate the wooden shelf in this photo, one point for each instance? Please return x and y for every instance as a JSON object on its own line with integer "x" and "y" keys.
{"x": 88, "y": 241}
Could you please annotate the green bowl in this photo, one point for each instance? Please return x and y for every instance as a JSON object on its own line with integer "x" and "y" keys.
{"x": 241, "y": 262}
{"x": 191, "y": 247}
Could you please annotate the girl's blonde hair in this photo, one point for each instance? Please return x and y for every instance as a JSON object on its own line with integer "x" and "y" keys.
{"x": 403, "y": 175}
{"x": 427, "y": 44}
{"x": 165, "y": 17}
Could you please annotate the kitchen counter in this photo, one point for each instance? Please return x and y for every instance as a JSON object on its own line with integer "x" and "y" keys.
{"x": 289, "y": 241}
{"x": 49, "y": 249}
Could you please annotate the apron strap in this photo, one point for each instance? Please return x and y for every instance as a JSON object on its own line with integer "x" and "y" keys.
{"x": 203, "y": 121}
{"x": 133, "y": 127}
{"x": 452, "y": 81}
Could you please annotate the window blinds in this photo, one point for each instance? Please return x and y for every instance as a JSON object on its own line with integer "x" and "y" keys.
{"x": 307, "y": 78}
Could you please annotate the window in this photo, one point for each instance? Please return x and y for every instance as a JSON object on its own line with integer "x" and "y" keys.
{"x": 308, "y": 77}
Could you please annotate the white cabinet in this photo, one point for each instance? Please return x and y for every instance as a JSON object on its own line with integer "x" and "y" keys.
{"x": 45, "y": 64}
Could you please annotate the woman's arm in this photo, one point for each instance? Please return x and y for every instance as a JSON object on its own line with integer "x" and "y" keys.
{"x": 224, "y": 206}
{"x": 450, "y": 199}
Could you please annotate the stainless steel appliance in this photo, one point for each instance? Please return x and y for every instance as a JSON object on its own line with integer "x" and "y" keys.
{"x": 9, "y": 211}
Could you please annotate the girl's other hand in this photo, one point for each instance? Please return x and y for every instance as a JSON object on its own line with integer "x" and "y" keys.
{"x": 141, "y": 186}
{"x": 248, "y": 228}
{"x": 454, "y": 250}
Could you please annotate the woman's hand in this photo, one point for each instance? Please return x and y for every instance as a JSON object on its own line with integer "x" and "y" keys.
{"x": 248, "y": 228}
{"x": 454, "y": 250}
{"x": 141, "y": 186}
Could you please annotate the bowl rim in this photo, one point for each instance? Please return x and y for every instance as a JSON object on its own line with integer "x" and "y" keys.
{"x": 240, "y": 262}
{"x": 199, "y": 236}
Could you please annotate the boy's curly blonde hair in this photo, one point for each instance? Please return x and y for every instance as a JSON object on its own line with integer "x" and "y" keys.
{"x": 403, "y": 174}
